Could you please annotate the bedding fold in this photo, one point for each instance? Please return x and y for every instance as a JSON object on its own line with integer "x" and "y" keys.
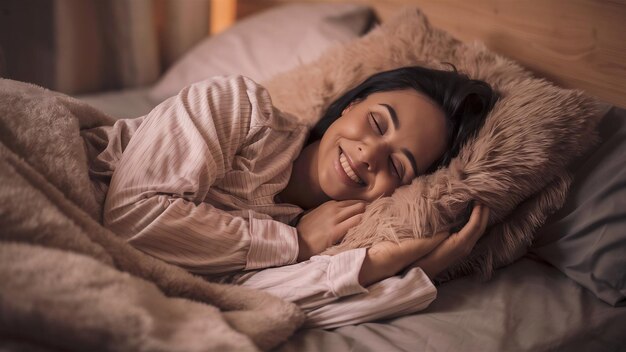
{"x": 68, "y": 283}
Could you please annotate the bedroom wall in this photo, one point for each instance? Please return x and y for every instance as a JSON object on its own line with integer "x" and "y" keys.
{"x": 30, "y": 37}
{"x": 103, "y": 45}
{"x": 180, "y": 25}
{"x": 574, "y": 43}
{"x": 81, "y": 46}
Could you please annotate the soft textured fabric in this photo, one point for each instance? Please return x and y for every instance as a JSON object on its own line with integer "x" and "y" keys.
{"x": 265, "y": 44}
{"x": 515, "y": 165}
{"x": 194, "y": 183}
{"x": 48, "y": 214}
{"x": 73, "y": 302}
{"x": 309, "y": 285}
{"x": 526, "y": 306}
{"x": 586, "y": 239}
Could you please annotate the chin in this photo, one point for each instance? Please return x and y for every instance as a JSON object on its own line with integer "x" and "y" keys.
{"x": 334, "y": 191}
{"x": 339, "y": 195}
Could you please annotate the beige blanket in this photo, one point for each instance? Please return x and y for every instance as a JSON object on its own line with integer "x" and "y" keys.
{"x": 67, "y": 283}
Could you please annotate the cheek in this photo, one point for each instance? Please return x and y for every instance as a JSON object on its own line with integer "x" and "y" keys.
{"x": 350, "y": 127}
{"x": 384, "y": 187}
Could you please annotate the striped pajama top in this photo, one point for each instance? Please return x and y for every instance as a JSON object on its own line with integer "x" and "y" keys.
{"x": 194, "y": 183}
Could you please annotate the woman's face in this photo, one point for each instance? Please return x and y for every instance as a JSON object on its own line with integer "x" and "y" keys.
{"x": 379, "y": 144}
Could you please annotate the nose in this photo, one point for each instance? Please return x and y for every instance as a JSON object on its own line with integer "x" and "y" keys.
{"x": 371, "y": 155}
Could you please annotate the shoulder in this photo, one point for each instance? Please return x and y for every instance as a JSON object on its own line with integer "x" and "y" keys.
{"x": 250, "y": 99}
{"x": 223, "y": 87}
{"x": 264, "y": 111}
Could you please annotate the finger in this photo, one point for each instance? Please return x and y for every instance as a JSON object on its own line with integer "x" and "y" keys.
{"x": 485, "y": 217}
{"x": 351, "y": 210}
{"x": 343, "y": 227}
{"x": 346, "y": 203}
{"x": 484, "y": 221}
{"x": 473, "y": 224}
{"x": 457, "y": 246}
{"x": 461, "y": 243}
{"x": 482, "y": 224}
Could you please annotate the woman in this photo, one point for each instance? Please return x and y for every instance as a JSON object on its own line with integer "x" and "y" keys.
{"x": 215, "y": 180}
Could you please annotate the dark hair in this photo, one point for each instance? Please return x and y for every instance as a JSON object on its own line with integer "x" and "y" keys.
{"x": 464, "y": 101}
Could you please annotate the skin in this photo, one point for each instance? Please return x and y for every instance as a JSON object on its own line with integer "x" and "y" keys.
{"x": 384, "y": 158}
{"x": 376, "y": 150}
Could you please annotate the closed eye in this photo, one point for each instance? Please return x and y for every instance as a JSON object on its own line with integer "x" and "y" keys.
{"x": 393, "y": 165}
{"x": 395, "y": 169}
{"x": 376, "y": 123}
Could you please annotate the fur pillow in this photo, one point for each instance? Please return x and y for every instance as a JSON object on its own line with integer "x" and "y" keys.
{"x": 515, "y": 165}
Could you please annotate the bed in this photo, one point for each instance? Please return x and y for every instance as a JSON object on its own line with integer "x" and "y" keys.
{"x": 568, "y": 291}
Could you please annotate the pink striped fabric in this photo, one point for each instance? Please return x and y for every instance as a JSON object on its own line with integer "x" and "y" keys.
{"x": 194, "y": 183}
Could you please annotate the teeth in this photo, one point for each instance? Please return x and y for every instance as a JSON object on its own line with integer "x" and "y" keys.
{"x": 346, "y": 167}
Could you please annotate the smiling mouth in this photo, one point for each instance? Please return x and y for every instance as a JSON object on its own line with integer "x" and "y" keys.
{"x": 347, "y": 169}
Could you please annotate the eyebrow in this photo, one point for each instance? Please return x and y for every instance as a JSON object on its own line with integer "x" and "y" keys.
{"x": 394, "y": 116}
{"x": 396, "y": 125}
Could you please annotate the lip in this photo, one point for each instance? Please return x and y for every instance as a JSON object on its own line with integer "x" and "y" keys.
{"x": 352, "y": 165}
{"x": 342, "y": 174}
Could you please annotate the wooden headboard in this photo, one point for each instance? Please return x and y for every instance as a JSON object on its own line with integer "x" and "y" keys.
{"x": 573, "y": 43}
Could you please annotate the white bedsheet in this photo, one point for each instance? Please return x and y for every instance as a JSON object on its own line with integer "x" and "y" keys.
{"x": 528, "y": 306}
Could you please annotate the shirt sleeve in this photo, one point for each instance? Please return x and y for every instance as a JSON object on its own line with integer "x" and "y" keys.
{"x": 155, "y": 199}
{"x": 327, "y": 289}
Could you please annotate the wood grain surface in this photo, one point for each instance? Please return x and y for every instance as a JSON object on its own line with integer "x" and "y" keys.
{"x": 573, "y": 43}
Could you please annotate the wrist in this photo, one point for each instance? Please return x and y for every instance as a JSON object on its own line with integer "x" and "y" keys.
{"x": 376, "y": 267}
{"x": 432, "y": 265}
{"x": 295, "y": 221}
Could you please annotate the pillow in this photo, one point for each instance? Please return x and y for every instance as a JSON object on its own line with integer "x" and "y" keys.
{"x": 586, "y": 239}
{"x": 515, "y": 165}
{"x": 266, "y": 44}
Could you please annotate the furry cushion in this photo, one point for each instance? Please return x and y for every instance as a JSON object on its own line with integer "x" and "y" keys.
{"x": 515, "y": 165}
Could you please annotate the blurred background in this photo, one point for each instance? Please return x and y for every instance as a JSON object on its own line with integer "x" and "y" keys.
{"x": 86, "y": 46}
{"x": 80, "y": 46}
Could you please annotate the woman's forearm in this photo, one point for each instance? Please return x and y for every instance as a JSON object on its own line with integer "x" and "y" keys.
{"x": 379, "y": 265}
{"x": 386, "y": 259}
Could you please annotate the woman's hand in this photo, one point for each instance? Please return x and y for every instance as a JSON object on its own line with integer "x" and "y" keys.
{"x": 326, "y": 225}
{"x": 457, "y": 246}
{"x": 432, "y": 254}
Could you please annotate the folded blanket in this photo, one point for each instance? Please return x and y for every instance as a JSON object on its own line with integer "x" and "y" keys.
{"x": 68, "y": 283}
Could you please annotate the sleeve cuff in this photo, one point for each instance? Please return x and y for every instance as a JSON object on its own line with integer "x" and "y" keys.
{"x": 343, "y": 272}
{"x": 424, "y": 286}
{"x": 272, "y": 243}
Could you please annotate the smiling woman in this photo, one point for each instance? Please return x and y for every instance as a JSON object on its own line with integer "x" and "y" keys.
{"x": 365, "y": 154}
{"x": 216, "y": 180}
{"x": 380, "y": 135}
